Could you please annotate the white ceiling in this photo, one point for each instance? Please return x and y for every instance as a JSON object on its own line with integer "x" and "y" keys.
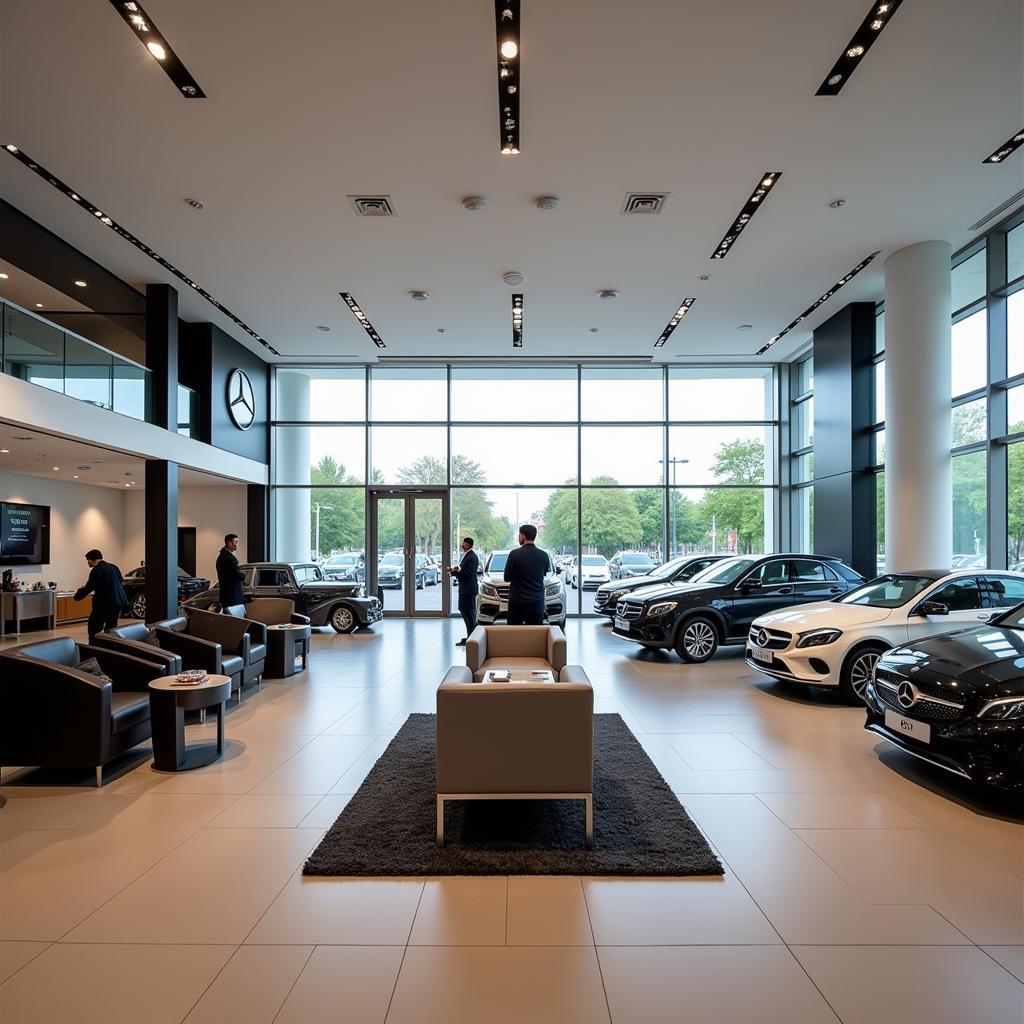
{"x": 36, "y": 453}
{"x": 308, "y": 103}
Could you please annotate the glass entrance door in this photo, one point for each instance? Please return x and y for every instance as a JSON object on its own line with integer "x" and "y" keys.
{"x": 408, "y": 532}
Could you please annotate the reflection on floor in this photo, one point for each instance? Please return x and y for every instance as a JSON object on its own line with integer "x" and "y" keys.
{"x": 858, "y": 886}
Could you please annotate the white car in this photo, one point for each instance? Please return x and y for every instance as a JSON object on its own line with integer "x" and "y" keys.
{"x": 836, "y": 643}
{"x": 588, "y": 571}
{"x": 492, "y": 601}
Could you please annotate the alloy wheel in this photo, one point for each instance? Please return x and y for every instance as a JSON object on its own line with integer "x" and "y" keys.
{"x": 139, "y": 606}
{"x": 342, "y": 619}
{"x": 699, "y": 640}
{"x": 861, "y": 671}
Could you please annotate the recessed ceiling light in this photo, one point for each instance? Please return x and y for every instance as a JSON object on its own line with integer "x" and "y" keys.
{"x": 154, "y": 41}
{"x": 512, "y": 278}
{"x": 5, "y": 451}
{"x": 81, "y": 284}
{"x": 674, "y": 322}
{"x": 764, "y": 186}
{"x": 842, "y": 282}
{"x": 704, "y": 277}
{"x": 517, "y": 321}
{"x": 39, "y": 305}
{"x": 835, "y": 204}
{"x": 419, "y": 296}
{"x": 506, "y": 21}
{"x": 546, "y": 202}
{"x": 5, "y": 276}
{"x": 594, "y": 330}
{"x": 474, "y": 203}
{"x": 745, "y": 327}
{"x": 364, "y": 320}
{"x": 52, "y": 179}
{"x": 608, "y": 293}
{"x": 76, "y": 476}
{"x": 322, "y": 327}
{"x": 440, "y": 330}
{"x": 853, "y": 53}
{"x": 196, "y": 204}
{"x": 1011, "y": 145}
{"x": 509, "y": 49}
{"x": 56, "y": 469}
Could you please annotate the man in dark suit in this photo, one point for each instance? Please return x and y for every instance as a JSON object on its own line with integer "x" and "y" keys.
{"x": 467, "y": 573}
{"x": 525, "y": 570}
{"x": 229, "y": 576}
{"x": 108, "y": 596}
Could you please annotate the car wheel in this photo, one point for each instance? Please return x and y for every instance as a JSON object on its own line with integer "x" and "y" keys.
{"x": 856, "y": 672}
{"x": 698, "y": 640}
{"x": 139, "y": 606}
{"x": 343, "y": 619}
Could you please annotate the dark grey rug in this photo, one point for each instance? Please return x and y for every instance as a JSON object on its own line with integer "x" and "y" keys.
{"x": 387, "y": 828}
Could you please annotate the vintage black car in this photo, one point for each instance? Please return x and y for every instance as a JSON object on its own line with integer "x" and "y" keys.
{"x": 957, "y": 700}
{"x": 326, "y": 602}
{"x": 135, "y": 588}
{"x": 717, "y": 606}
{"x": 679, "y": 570}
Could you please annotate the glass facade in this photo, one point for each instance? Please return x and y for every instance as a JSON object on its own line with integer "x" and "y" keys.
{"x": 801, "y": 443}
{"x": 586, "y": 453}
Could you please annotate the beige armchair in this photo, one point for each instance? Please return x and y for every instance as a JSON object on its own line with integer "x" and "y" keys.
{"x": 518, "y": 647}
{"x": 515, "y": 741}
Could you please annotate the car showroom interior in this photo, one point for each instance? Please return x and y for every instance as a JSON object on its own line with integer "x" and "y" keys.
{"x": 511, "y": 512}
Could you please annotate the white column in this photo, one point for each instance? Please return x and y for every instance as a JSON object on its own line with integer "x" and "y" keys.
{"x": 291, "y": 460}
{"x": 918, "y": 414}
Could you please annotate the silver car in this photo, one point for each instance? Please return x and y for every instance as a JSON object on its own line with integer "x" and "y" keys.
{"x": 492, "y": 601}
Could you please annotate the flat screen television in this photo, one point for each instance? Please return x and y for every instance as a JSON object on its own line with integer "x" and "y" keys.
{"x": 24, "y": 534}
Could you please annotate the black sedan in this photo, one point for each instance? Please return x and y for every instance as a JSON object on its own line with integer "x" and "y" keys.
{"x": 679, "y": 570}
{"x": 957, "y": 701}
{"x": 326, "y": 602}
{"x": 135, "y": 588}
{"x": 719, "y": 604}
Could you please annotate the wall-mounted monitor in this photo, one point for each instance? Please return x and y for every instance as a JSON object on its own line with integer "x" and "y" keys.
{"x": 24, "y": 534}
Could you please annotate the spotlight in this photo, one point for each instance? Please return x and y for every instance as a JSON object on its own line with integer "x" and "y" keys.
{"x": 767, "y": 181}
{"x": 674, "y": 322}
{"x": 157, "y": 50}
{"x": 509, "y": 49}
{"x": 507, "y": 37}
{"x": 81, "y": 284}
{"x": 870, "y": 29}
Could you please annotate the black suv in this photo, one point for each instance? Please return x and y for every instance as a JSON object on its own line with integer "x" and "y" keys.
{"x": 718, "y": 605}
{"x": 679, "y": 570}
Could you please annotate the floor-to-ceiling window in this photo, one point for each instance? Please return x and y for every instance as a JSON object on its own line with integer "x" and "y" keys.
{"x": 650, "y": 461}
{"x": 801, "y": 443}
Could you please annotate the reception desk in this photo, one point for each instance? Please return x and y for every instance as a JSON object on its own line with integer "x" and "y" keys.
{"x": 22, "y": 605}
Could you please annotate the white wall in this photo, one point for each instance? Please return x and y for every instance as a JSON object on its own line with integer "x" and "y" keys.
{"x": 213, "y": 511}
{"x": 81, "y": 517}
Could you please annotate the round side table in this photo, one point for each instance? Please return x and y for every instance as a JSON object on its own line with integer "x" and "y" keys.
{"x": 167, "y": 706}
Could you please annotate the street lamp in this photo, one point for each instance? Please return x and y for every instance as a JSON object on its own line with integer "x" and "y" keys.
{"x": 318, "y": 507}
{"x": 674, "y": 462}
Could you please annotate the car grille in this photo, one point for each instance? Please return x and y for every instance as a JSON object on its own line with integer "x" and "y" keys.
{"x": 773, "y": 640}
{"x": 629, "y": 610}
{"x": 926, "y": 707}
{"x": 601, "y": 601}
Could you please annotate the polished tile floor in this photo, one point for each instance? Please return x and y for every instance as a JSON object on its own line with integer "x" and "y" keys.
{"x": 859, "y": 887}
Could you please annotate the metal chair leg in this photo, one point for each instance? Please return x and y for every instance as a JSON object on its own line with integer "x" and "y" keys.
{"x": 99, "y": 776}
{"x": 589, "y": 804}
{"x": 202, "y": 716}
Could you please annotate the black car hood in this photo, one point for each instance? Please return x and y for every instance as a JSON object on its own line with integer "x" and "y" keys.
{"x": 659, "y": 591}
{"x": 629, "y": 583}
{"x": 985, "y": 658}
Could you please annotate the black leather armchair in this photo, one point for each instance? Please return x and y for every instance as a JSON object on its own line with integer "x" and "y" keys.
{"x": 52, "y": 714}
{"x": 275, "y": 611}
{"x": 134, "y": 638}
{"x": 257, "y": 632}
{"x": 217, "y": 643}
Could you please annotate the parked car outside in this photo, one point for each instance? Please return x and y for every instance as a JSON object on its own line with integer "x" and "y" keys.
{"x": 587, "y": 571}
{"x": 492, "y": 601}
{"x": 348, "y": 566}
{"x": 630, "y": 563}
{"x": 679, "y": 570}
{"x": 957, "y": 701}
{"x": 718, "y": 605}
{"x": 327, "y": 602}
{"x": 391, "y": 572}
{"x": 135, "y": 588}
{"x": 837, "y": 643}
{"x": 430, "y": 569}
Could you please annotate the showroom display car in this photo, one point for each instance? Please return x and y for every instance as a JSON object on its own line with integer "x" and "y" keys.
{"x": 587, "y": 571}
{"x": 135, "y": 588}
{"x": 836, "y": 643}
{"x": 627, "y": 564}
{"x": 345, "y": 566}
{"x": 718, "y": 605}
{"x": 326, "y": 602}
{"x": 678, "y": 570}
{"x": 492, "y": 600}
{"x": 957, "y": 701}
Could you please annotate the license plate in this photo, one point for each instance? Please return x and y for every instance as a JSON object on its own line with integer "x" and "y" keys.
{"x": 921, "y": 731}
{"x": 758, "y": 654}
{"x": 621, "y": 623}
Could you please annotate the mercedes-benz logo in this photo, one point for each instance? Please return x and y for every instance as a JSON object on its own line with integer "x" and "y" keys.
{"x": 241, "y": 399}
{"x": 762, "y": 637}
{"x": 907, "y": 695}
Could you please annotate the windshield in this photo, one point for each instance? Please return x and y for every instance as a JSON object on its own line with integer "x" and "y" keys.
{"x": 724, "y": 572}
{"x": 594, "y": 560}
{"x": 392, "y": 560}
{"x": 636, "y": 560}
{"x": 1013, "y": 619}
{"x": 342, "y": 560}
{"x": 887, "y": 591}
{"x": 497, "y": 561}
{"x": 667, "y": 569}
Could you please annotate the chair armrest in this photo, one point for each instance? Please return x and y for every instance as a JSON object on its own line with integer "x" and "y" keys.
{"x": 257, "y": 632}
{"x": 556, "y": 649}
{"x": 299, "y": 620}
{"x": 169, "y": 662}
{"x": 476, "y": 649}
{"x": 128, "y": 672}
{"x": 573, "y": 674}
{"x": 460, "y": 674}
{"x": 195, "y": 653}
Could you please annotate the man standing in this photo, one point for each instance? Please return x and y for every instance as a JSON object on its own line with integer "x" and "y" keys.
{"x": 467, "y": 573}
{"x": 525, "y": 570}
{"x": 108, "y": 596}
{"x": 229, "y": 575}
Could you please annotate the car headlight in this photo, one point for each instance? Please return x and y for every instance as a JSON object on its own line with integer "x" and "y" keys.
{"x": 360, "y": 591}
{"x": 553, "y": 590}
{"x": 656, "y": 611}
{"x": 819, "y": 637}
{"x": 488, "y": 591}
{"x": 617, "y": 596}
{"x": 1007, "y": 709}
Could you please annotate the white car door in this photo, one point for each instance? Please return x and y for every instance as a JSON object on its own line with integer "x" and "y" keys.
{"x": 963, "y": 599}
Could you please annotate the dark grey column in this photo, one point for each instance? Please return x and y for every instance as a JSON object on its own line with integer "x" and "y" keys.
{"x": 161, "y": 540}
{"x": 257, "y": 546}
{"x": 162, "y": 352}
{"x": 844, "y": 487}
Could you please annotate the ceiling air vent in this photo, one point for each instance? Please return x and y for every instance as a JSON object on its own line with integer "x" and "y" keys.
{"x": 372, "y": 206}
{"x": 1001, "y": 208}
{"x": 644, "y": 202}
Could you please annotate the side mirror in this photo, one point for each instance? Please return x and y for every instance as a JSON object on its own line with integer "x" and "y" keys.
{"x": 931, "y": 608}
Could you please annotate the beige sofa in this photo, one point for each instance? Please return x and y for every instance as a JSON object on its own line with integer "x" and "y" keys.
{"x": 515, "y": 741}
